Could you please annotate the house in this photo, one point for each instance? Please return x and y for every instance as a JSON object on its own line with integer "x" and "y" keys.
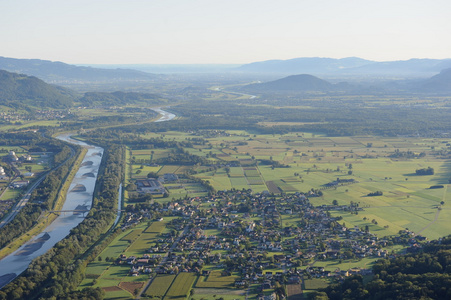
{"x": 19, "y": 184}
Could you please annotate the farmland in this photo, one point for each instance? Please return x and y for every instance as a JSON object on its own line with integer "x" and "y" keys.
{"x": 336, "y": 171}
{"x": 160, "y": 286}
{"x": 216, "y": 280}
{"x": 181, "y": 286}
{"x": 311, "y": 161}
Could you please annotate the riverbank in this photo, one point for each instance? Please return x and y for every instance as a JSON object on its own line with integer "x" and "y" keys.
{"x": 57, "y": 223}
{"x": 45, "y": 220}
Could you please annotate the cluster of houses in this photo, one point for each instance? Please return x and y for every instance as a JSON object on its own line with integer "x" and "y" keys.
{"x": 250, "y": 239}
{"x": 3, "y": 175}
{"x": 13, "y": 116}
{"x": 12, "y": 158}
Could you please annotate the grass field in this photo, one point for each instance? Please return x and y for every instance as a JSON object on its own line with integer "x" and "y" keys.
{"x": 216, "y": 280}
{"x": 314, "y": 161}
{"x": 159, "y": 286}
{"x": 156, "y": 227}
{"x": 181, "y": 286}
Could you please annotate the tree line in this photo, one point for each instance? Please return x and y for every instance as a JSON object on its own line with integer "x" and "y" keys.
{"x": 57, "y": 274}
{"x": 425, "y": 274}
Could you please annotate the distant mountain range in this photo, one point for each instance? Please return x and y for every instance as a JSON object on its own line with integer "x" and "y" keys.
{"x": 19, "y": 90}
{"x": 293, "y": 83}
{"x": 304, "y": 83}
{"x": 58, "y": 72}
{"x": 351, "y": 66}
{"x": 28, "y": 90}
{"x": 440, "y": 83}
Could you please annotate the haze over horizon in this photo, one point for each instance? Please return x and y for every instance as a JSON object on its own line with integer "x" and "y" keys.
{"x": 219, "y": 32}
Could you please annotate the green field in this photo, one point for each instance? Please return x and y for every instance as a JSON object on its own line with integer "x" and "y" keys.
{"x": 159, "y": 286}
{"x": 181, "y": 286}
{"x": 216, "y": 280}
{"x": 314, "y": 161}
{"x": 155, "y": 227}
{"x": 308, "y": 162}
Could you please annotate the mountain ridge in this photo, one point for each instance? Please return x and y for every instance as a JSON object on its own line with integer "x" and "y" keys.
{"x": 59, "y": 72}
{"x": 414, "y": 67}
{"x": 30, "y": 90}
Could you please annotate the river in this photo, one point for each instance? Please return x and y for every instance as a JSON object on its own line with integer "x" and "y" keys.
{"x": 165, "y": 116}
{"x": 78, "y": 198}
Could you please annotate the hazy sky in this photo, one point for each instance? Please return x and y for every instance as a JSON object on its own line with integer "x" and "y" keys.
{"x": 223, "y": 31}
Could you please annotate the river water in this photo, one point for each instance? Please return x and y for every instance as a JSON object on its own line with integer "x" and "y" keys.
{"x": 79, "y": 198}
{"x": 165, "y": 116}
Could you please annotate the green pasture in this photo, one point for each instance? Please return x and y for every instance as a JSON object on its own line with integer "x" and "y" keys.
{"x": 332, "y": 265}
{"x": 235, "y": 295}
{"x": 118, "y": 295}
{"x": 156, "y": 227}
{"x": 181, "y": 286}
{"x": 159, "y": 286}
{"x": 216, "y": 280}
{"x": 10, "y": 194}
{"x": 141, "y": 245}
{"x": 117, "y": 247}
{"x": 315, "y": 283}
{"x": 407, "y": 201}
{"x": 132, "y": 235}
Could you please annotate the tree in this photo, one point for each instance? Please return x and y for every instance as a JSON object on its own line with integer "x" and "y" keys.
{"x": 131, "y": 187}
{"x": 152, "y": 175}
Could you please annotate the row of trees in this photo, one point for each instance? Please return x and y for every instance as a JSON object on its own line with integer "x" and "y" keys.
{"x": 57, "y": 274}
{"x": 45, "y": 195}
{"x": 425, "y": 171}
{"x": 422, "y": 275}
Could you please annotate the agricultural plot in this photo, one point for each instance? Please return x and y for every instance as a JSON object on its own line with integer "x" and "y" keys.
{"x": 315, "y": 161}
{"x": 155, "y": 227}
{"x": 315, "y": 284}
{"x": 181, "y": 286}
{"x": 142, "y": 244}
{"x": 294, "y": 291}
{"x": 168, "y": 169}
{"x": 216, "y": 280}
{"x": 132, "y": 235}
{"x": 159, "y": 286}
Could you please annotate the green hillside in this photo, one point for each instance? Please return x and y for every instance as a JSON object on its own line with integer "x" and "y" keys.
{"x": 22, "y": 89}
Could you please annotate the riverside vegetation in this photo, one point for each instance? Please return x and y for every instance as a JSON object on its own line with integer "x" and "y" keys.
{"x": 272, "y": 190}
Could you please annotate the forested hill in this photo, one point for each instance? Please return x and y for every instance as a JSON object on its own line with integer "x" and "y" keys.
{"x": 440, "y": 83}
{"x": 18, "y": 88}
{"x": 294, "y": 83}
{"x": 421, "y": 275}
{"x": 58, "y": 72}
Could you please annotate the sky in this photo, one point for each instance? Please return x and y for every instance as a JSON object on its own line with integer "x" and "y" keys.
{"x": 222, "y": 31}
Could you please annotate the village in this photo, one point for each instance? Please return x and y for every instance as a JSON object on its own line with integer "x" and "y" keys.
{"x": 265, "y": 238}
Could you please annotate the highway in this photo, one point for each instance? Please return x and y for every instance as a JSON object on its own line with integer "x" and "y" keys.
{"x": 26, "y": 197}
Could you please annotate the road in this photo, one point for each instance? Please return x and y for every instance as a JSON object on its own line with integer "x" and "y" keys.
{"x": 26, "y": 197}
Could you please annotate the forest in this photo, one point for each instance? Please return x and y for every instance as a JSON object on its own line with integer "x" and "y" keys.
{"x": 420, "y": 275}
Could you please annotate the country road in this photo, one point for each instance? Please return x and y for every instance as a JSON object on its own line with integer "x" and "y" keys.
{"x": 26, "y": 197}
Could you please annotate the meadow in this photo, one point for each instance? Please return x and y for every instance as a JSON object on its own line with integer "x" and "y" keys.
{"x": 310, "y": 161}
{"x": 305, "y": 161}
